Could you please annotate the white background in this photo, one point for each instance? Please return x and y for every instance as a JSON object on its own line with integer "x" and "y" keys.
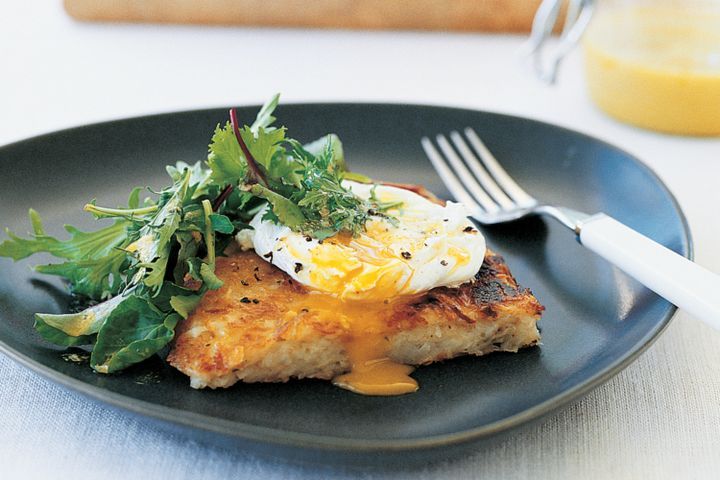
{"x": 660, "y": 417}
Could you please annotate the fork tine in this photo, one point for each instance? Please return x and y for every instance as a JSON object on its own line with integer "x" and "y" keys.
{"x": 449, "y": 178}
{"x": 482, "y": 178}
{"x": 514, "y": 191}
{"x": 465, "y": 177}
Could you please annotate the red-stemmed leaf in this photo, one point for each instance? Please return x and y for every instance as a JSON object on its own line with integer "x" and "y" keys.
{"x": 255, "y": 175}
{"x": 222, "y": 197}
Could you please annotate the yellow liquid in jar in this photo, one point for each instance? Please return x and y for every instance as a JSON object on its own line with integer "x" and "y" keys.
{"x": 657, "y": 67}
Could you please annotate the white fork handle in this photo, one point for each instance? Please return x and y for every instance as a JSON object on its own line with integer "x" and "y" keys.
{"x": 674, "y": 277}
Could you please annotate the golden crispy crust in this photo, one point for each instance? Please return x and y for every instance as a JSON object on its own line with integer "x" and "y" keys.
{"x": 494, "y": 290}
{"x": 264, "y": 326}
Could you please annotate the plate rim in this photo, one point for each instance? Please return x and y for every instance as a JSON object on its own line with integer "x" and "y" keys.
{"x": 328, "y": 443}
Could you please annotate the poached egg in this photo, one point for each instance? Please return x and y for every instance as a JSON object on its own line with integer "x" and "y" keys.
{"x": 428, "y": 246}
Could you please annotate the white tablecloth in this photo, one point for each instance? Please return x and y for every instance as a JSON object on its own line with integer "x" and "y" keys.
{"x": 659, "y": 418}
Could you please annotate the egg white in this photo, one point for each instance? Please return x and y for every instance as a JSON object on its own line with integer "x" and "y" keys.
{"x": 430, "y": 246}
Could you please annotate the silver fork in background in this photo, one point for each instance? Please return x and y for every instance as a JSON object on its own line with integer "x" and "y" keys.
{"x": 475, "y": 178}
{"x": 577, "y": 17}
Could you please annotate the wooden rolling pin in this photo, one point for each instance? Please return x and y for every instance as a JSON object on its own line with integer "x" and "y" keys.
{"x": 456, "y": 15}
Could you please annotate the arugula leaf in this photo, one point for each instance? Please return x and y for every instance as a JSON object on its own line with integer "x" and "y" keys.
{"x": 134, "y": 331}
{"x": 200, "y": 178}
{"x": 97, "y": 278}
{"x": 203, "y": 272}
{"x": 169, "y": 290}
{"x": 82, "y": 245}
{"x": 264, "y": 118}
{"x": 95, "y": 259}
{"x": 87, "y": 322}
{"x": 209, "y": 233}
{"x": 156, "y": 237}
{"x": 134, "y": 198}
{"x": 58, "y": 337}
{"x": 287, "y": 212}
{"x": 221, "y": 223}
{"x": 189, "y": 246}
{"x": 185, "y": 304}
{"x": 207, "y": 273}
{"x": 36, "y": 222}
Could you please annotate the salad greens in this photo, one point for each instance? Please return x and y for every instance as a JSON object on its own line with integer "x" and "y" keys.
{"x": 148, "y": 269}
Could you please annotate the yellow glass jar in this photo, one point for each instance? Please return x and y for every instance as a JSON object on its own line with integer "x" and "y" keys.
{"x": 656, "y": 64}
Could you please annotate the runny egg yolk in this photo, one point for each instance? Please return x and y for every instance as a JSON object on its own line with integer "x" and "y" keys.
{"x": 373, "y": 371}
{"x": 422, "y": 246}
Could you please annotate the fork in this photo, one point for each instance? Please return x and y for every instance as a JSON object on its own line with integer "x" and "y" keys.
{"x": 475, "y": 178}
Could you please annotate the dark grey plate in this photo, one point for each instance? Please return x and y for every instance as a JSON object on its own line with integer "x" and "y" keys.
{"x": 597, "y": 319}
